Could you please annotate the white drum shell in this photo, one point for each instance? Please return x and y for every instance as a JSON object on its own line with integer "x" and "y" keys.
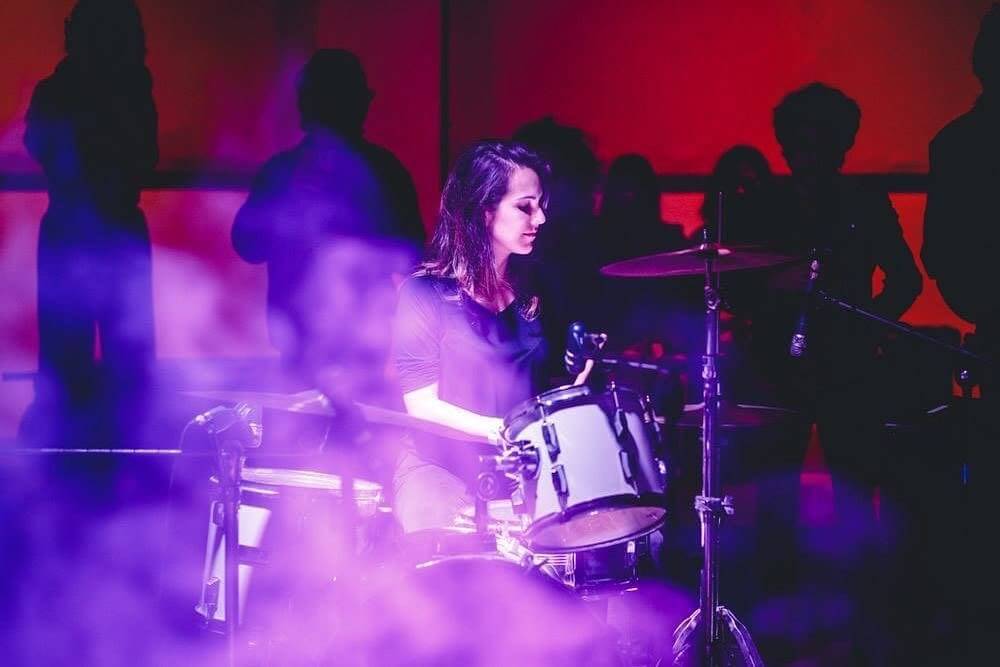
{"x": 610, "y": 497}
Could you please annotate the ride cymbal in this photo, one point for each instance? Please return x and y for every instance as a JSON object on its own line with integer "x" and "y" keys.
{"x": 691, "y": 261}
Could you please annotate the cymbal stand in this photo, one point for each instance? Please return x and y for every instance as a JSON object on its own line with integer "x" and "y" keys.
{"x": 711, "y": 616}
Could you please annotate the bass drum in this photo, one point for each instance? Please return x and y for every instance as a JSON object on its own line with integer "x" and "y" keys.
{"x": 597, "y": 481}
{"x": 477, "y": 609}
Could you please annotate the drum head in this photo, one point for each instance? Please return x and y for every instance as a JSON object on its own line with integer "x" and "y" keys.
{"x": 605, "y": 523}
{"x": 367, "y": 494}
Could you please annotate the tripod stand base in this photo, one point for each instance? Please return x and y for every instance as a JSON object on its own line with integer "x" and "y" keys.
{"x": 736, "y": 650}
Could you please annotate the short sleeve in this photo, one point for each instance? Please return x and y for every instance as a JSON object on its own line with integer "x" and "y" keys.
{"x": 417, "y": 334}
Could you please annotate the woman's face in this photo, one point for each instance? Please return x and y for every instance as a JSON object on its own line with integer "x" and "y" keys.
{"x": 515, "y": 222}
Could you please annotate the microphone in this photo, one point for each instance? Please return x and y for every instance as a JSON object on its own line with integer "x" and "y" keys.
{"x": 221, "y": 419}
{"x": 575, "y": 357}
{"x": 799, "y": 345}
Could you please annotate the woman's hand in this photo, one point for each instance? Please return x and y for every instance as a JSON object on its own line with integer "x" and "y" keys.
{"x": 424, "y": 403}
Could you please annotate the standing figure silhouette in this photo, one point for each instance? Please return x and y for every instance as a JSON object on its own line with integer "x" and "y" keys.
{"x": 92, "y": 126}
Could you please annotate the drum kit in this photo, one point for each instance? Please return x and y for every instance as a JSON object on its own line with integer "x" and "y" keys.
{"x": 589, "y": 482}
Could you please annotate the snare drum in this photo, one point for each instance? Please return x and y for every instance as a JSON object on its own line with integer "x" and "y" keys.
{"x": 295, "y": 533}
{"x": 594, "y": 479}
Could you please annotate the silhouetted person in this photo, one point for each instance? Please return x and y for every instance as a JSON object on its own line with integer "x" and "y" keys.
{"x": 644, "y": 318}
{"x": 961, "y": 237}
{"x": 92, "y": 127}
{"x": 630, "y": 221}
{"x": 855, "y": 230}
{"x": 567, "y": 254}
{"x": 960, "y": 224}
{"x": 333, "y": 218}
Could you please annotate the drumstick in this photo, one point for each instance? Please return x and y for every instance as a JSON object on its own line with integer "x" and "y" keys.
{"x": 585, "y": 373}
{"x": 599, "y": 341}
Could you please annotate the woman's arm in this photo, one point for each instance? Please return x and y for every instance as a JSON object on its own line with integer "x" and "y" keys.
{"x": 424, "y": 403}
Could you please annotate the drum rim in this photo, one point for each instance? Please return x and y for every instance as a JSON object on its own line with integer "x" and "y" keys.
{"x": 654, "y": 500}
{"x": 264, "y": 495}
{"x": 361, "y": 486}
{"x": 559, "y": 398}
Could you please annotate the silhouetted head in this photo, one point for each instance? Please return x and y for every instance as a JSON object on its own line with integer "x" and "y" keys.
{"x": 466, "y": 235}
{"x": 575, "y": 168}
{"x": 986, "y": 51}
{"x": 740, "y": 172}
{"x": 105, "y": 35}
{"x": 816, "y": 126}
{"x": 631, "y": 191}
{"x": 333, "y": 92}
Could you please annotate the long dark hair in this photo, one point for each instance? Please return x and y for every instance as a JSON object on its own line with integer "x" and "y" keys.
{"x": 462, "y": 245}
{"x": 727, "y": 177}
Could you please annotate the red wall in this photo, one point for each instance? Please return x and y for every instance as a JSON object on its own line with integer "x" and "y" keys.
{"x": 683, "y": 81}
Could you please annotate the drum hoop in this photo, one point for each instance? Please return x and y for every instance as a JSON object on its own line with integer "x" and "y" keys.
{"x": 314, "y": 480}
{"x": 259, "y": 494}
{"x": 364, "y": 492}
{"x": 554, "y": 400}
{"x": 657, "y": 500}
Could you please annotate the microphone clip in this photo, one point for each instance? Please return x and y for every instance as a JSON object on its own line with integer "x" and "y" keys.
{"x": 582, "y": 346}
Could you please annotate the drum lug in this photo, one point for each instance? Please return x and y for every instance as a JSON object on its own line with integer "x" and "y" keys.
{"x": 551, "y": 440}
{"x": 559, "y": 482}
{"x": 626, "y": 464}
{"x": 528, "y": 461}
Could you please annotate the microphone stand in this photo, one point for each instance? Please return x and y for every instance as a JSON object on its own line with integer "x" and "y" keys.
{"x": 232, "y": 434}
{"x": 904, "y": 329}
{"x": 230, "y": 464}
{"x": 711, "y": 616}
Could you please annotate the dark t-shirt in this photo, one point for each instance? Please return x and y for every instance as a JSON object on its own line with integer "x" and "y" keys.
{"x": 483, "y": 361}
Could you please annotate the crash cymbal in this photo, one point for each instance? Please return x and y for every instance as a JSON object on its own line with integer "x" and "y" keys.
{"x": 314, "y": 402}
{"x": 734, "y": 416}
{"x": 691, "y": 261}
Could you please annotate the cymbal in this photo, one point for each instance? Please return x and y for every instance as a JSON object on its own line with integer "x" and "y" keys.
{"x": 314, "y": 402}
{"x": 733, "y": 416}
{"x": 691, "y": 261}
{"x": 310, "y": 402}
